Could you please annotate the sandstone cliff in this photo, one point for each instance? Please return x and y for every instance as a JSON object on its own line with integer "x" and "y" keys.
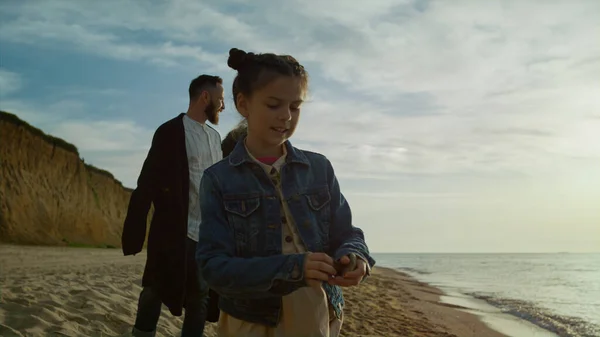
{"x": 49, "y": 196}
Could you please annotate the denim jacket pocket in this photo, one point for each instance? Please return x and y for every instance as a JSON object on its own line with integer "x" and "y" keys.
{"x": 318, "y": 200}
{"x": 242, "y": 216}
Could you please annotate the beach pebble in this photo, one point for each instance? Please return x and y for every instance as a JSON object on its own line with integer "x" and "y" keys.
{"x": 344, "y": 268}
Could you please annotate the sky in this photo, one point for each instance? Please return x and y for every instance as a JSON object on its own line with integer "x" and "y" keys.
{"x": 453, "y": 126}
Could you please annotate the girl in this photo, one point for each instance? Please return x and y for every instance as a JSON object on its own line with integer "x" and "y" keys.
{"x": 274, "y": 222}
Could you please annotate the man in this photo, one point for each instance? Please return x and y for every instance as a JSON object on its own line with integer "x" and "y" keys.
{"x": 170, "y": 179}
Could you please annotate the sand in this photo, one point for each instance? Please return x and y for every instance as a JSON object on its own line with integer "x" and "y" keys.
{"x": 51, "y": 291}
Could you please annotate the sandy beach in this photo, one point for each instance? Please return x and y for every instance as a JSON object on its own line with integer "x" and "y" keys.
{"x": 56, "y": 291}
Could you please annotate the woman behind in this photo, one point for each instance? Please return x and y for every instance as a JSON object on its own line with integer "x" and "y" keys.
{"x": 237, "y": 133}
{"x": 273, "y": 217}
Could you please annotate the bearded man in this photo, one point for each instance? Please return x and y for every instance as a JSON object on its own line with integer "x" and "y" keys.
{"x": 182, "y": 148}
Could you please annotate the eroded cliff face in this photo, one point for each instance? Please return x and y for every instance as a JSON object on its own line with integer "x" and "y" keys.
{"x": 48, "y": 195}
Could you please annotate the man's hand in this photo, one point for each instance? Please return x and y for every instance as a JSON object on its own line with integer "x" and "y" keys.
{"x": 130, "y": 247}
{"x": 318, "y": 268}
{"x": 131, "y": 252}
{"x": 350, "y": 278}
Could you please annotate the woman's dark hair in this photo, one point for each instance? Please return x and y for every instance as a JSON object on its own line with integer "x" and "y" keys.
{"x": 257, "y": 70}
{"x": 233, "y": 137}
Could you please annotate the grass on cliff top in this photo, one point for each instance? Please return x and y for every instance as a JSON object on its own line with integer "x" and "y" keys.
{"x": 55, "y": 141}
{"x": 13, "y": 119}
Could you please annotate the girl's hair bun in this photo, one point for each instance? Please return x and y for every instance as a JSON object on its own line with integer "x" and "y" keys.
{"x": 238, "y": 58}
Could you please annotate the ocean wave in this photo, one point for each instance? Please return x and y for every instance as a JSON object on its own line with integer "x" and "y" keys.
{"x": 564, "y": 326}
{"x": 413, "y": 270}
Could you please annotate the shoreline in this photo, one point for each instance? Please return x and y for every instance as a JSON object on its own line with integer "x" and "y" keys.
{"x": 92, "y": 291}
{"x": 495, "y": 318}
{"x": 512, "y": 317}
{"x": 418, "y": 307}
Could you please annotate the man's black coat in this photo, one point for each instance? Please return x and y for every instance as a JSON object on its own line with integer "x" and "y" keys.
{"x": 164, "y": 182}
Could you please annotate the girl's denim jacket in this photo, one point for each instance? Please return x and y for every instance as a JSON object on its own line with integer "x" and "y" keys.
{"x": 239, "y": 247}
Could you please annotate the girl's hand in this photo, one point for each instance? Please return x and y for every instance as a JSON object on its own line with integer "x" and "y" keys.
{"x": 350, "y": 278}
{"x": 318, "y": 268}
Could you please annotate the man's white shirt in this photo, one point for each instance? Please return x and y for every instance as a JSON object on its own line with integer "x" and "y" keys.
{"x": 203, "y": 147}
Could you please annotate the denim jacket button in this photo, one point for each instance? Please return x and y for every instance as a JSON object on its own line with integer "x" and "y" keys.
{"x": 288, "y": 239}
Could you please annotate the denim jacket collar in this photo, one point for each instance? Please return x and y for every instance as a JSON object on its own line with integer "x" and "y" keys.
{"x": 239, "y": 155}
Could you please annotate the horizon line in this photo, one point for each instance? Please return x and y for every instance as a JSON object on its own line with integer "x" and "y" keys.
{"x": 547, "y": 252}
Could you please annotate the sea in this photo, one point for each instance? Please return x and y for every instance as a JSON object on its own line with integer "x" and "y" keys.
{"x": 516, "y": 294}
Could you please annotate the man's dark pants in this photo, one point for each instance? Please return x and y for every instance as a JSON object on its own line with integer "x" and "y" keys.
{"x": 196, "y": 303}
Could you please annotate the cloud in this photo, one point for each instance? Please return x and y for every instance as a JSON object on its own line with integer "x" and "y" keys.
{"x": 43, "y": 115}
{"x": 82, "y": 92}
{"x": 403, "y": 195}
{"x": 497, "y": 85}
{"x": 441, "y": 119}
{"x": 10, "y": 82}
{"x": 120, "y": 145}
{"x": 100, "y": 30}
{"x": 105, "y": 136}
{"x": 117, "y": 144}
{"x": 404, "y": 86}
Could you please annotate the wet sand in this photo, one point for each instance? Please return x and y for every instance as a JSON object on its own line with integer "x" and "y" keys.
{"x": 59, "y": 291}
